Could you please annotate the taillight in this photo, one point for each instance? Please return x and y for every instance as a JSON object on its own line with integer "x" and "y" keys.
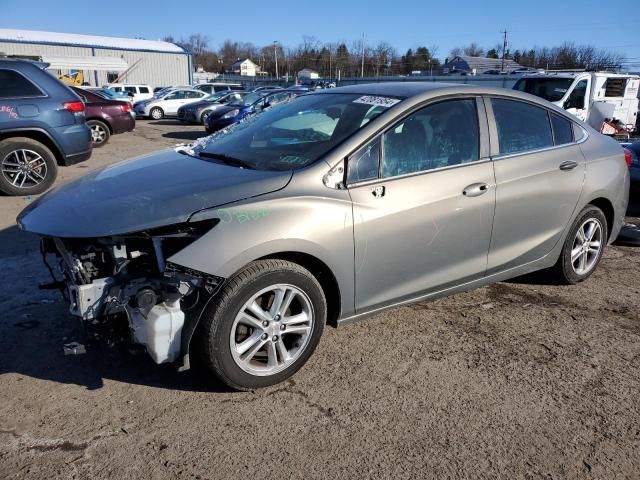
{"x": 126, "y": 107}
{"x": 74, "y": 107}
{"x": 627, "y": 157}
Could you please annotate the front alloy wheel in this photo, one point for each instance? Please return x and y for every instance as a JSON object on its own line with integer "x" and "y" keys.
{"x": 263, "y": 325}
{"x": 586, "y": 246}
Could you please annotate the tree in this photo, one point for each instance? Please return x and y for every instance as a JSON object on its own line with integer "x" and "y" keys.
{"x": 493, "y": 53}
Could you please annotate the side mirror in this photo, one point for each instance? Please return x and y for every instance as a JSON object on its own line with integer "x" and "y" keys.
{"x": 567, "y": 104}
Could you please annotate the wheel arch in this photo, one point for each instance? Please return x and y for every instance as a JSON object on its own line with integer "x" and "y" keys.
{"x": 606, "y": 206}
{"x": 322, "y": 273}
{"x": 39, "y": 136}
{"x": 101, "y": 120}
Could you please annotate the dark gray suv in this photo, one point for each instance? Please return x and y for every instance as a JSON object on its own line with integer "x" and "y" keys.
{"x": 42, "y": 125}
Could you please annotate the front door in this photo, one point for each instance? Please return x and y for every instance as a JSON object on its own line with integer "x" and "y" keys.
{"x": 577, "y": 102}
{"x": 423, "y": 201}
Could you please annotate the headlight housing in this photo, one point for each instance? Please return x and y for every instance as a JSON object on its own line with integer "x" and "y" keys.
{"x": 231, "y": 113}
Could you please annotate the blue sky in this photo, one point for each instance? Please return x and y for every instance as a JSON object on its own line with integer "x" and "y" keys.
{"x": 404, "y": 24}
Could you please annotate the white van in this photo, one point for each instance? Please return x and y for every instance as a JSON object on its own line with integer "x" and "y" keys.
{"x": 593, "y": 97}
{"x": 138, "y": 92}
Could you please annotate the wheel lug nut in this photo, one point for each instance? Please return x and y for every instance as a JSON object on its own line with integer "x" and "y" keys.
{"x": 265, "y": 323}
{"x": 275, "y": 338}
{"x": 264, "y": 336}
{"x": 277, "y": 318}
{"x": 282, "y": 327}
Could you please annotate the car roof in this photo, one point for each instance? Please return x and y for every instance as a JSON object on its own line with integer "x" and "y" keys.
{"x": 393, "y": 89}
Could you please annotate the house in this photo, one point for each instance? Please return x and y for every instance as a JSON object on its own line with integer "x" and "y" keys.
{"x": 246, "y": 68}
{"x": 477, "y": 65}
{"x": 307, "y": 74}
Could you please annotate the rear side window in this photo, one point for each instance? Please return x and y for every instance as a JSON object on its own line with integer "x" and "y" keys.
{"x": 14, "y": 84}
{"x": 522, "y": 127}
{"x": 144, "y": 90}
{"x": 562, "y": 131}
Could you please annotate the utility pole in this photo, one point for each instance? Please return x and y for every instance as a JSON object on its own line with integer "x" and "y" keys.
{"x": 362, "y": 67}
{"x": 504, "y": 50}
{"x": 275, "y": 54}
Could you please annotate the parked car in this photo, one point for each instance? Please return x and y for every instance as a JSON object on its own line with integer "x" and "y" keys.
{"x": 267, "y": 88}
{"x": 136, "y": 92}
{"x": 105, "y": 117}
{"x": 250, "y": 104}
{"x": 218, "y": 87}
{"x": 42, "y": 126}
{"x": 328, "y": 209}
{"x": 109, "y": 94}
{"x": 198, "y": 111}
{"x": 168, "y": 103}
{"x": 632, "y": 151}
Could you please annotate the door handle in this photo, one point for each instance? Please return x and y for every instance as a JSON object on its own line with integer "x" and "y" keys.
{"x": 475, "y": 189}
{"x": 378, "y": 191}
{"x": 568, "y": 165}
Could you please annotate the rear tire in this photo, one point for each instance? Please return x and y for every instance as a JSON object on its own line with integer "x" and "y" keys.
{"x": 583, "y": 247}
{"x": 262, "y": 346}
{"x": 156, "y": 113}
{"x": 27, "y": 167}
{"x": 100, "y": 132}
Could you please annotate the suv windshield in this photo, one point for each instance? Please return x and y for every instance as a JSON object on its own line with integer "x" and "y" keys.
{"x": 552, "y": 89}
{"x": 295, "y": 134}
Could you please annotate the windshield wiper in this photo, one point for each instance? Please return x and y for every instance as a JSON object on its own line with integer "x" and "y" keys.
{"x": 227, "y": 159}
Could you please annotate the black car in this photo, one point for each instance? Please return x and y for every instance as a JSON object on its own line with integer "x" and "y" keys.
{"x": 42, "y": 125}
{"x": 634, "y": 166}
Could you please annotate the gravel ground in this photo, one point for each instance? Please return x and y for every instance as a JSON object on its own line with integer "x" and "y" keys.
{"x": 517, "y": 380}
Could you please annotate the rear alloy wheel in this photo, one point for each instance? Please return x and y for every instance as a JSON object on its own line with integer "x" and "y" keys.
{"x": 583, "y": 247}
{"x": 27, "y": 167}
{"x": 264, "y": 324}
{"x": 156, "y": 113}
{"x": 100, "y": 133}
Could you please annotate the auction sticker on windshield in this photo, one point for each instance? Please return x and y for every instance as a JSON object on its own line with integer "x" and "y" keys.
{"x": 377, "y": 101}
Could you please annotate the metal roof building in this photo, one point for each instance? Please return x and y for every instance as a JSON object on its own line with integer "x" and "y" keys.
{"x": 102, "y": 59}
{"x": 478, "y": 65}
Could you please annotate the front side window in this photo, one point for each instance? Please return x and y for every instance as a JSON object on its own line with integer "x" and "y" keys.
{"x": 365, "y": 163}
{"x": 577, "y": 96}
{"x": 13, "y": 84}
{"x": 440, "y": 135}
{"x": 522, "y": 127}
{"x": 144, "y": 90}
{"x": 130, "y": 90}
{"x": 293, "y": 135}
{"x": 179, "y": 95}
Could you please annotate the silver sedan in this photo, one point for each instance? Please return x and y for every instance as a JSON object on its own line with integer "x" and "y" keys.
{"x": 239, "y": 249}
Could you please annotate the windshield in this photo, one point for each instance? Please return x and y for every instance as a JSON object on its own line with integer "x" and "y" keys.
{"x": 247, "y": 100}
{"x": 295, "y": 134}
{"x": 552, "y": 89}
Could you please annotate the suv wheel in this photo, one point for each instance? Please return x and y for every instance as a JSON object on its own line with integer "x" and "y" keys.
{"x": 584, "y": 246}
{"x": 156, "y": 113}
{"x": 27, "y": 167}
{"x": 264, "y": 324}
{"x": 100, "y": 133}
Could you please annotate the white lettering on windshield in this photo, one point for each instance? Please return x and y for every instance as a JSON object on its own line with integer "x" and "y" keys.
{"x": 377, "y": 101}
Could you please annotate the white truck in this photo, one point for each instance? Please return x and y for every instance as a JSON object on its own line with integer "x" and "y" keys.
{"x": 606, "y": 101}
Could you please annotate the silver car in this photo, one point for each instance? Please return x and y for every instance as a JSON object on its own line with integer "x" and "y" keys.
{"x": 340, "y": 204}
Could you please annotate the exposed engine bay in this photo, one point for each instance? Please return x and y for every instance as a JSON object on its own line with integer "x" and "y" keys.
{"x": 128, "y": 276}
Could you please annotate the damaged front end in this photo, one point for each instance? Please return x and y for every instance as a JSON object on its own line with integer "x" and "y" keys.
{"x": 126, "y": 279}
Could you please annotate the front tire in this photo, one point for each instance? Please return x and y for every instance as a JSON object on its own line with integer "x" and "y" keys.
{"x": 156, "y": 113}
{"x": 100, "y": 132}
{"x": 583, "y": 247}
{"x": 263, "y": 326}
{"x": 27, "y": 167}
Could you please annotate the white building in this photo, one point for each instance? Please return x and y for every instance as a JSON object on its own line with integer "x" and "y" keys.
{"x": 246, "y": 68}
{"x": 102, "y": 59}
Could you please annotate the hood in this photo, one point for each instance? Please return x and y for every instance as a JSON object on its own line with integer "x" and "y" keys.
{"x": 200, "y": 104}
{"x": 151, "y": 191}
{"x": 218, "y": 112}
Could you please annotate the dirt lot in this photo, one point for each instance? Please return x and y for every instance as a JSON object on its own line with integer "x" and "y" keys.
{"x": 518, "y": 380}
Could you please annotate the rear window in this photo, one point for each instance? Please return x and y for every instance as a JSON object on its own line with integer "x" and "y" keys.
{"x": 562, "y": 131}
{"x": 14, "y": 84}
{"x": 522, "y": 127}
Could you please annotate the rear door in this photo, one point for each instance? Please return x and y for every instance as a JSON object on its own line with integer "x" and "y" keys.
{"x": 423, "y": 202}
{"x": 539, "y": 171}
